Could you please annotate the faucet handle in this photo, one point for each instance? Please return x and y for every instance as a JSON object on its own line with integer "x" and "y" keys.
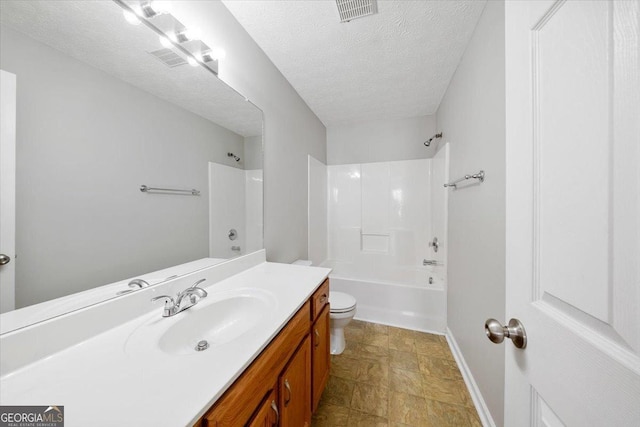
{"x": 138, "y": 283}
{"x": 195, "y": 285}
{"x": 169, "y": 304}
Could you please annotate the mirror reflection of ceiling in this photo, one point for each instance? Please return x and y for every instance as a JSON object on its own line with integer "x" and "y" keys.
{"x": 111, "y": 44}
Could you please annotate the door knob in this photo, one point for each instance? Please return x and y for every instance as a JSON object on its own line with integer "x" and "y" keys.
{"x": 4, "y": 259}
{"x": 514, "y": 330}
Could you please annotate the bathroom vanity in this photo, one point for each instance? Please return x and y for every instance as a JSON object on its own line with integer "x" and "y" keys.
{"x": 284, "y": 384}
{"x": 267, "y": 326}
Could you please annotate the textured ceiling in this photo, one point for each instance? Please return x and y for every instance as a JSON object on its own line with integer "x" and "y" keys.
{"x": 96, "y": 33}
{"x": 397, "y": 63}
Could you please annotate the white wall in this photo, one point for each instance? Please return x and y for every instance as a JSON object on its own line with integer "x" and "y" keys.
{"x": 67, "y": 139}
{"x": 380, "y": 140}
{"x": 318, "y": 234}
{"x": 472, "y": 117}
{"x": 291, "y": 130}
{"x": 379, "y": 213}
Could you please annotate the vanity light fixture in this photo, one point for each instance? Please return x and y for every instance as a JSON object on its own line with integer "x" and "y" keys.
{"x": 172, "y": 33}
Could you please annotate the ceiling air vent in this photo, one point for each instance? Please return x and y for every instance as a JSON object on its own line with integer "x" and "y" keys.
{"x": 352, "y": 9}
{"x": 168, "y": 57}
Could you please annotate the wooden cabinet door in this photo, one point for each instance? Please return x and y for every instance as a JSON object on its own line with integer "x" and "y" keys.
{"x": 320, "y": 357}
{"x": 295, "y": 389}
{"x": 267, "y": 414}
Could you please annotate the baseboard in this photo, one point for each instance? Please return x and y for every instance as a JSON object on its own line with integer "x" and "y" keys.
{"x": 476, "y": 396}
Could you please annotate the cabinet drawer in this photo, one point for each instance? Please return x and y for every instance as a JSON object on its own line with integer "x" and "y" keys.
{"x": 239, "y": 402}
{"x": 319, "y": 299}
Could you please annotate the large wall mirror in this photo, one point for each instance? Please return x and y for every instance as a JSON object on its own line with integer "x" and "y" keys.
{"x": 102, "y": 109}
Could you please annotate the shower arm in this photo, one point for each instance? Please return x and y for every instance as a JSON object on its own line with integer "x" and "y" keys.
{"x": 428, "y": 141}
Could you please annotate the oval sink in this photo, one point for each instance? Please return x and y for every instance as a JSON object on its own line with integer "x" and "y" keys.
{"x": 217, "y": 323}
{"x": 220, "y": 321}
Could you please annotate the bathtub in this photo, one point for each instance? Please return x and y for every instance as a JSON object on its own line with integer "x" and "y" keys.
{"x": 395, "y": 296}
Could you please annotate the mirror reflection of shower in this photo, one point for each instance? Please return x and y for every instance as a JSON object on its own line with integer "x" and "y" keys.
{"x": 428, "y": 141}
{"x": 236, "y": 158}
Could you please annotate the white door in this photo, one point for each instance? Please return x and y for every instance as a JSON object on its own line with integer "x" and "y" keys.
{"x": 7, "y": 190}
{"x": 573, "y": 212}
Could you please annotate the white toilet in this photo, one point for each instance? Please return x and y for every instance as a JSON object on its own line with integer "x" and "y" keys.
{"x": 343, "y": 308}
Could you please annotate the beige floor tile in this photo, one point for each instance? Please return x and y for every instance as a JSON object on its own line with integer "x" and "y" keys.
{"x": 409, "y": 382}
{"x": 447, "y": 352}
{"x": 426, "y": 337}
{"x": 354, "y": 335}
{"x": 330, "y": 416}
{"x": 431, "y": 348}
{"x": 407, "y": 409}
{"x": 439, "y": 367}
{"x": 375, "y": 339}
{"x": 403, "y": 360}
{"x": 357, "y": 324}
{"x": 394, "y": 377}
{"x": 376, "y": 328}
{"x": 402, "y": 343}
{"x": 400, "y": 332}
{"x": 474, "y": 420}
{"x": 344, "y": 367}
{"x": 466, "y": 396}
{"x": 448, "y": 391}
{"x": 370, "y": 399}
{"x": 361, "y": 419}
{"x": 373, "y": 372}
{"x": 338, "y": 392}
{"x": 443, "y": 414}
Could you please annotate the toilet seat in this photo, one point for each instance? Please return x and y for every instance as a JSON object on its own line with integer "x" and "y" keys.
{"x": 341, "y": 302}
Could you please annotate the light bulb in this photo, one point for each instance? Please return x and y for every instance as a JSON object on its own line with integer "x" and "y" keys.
{"x": 192, "y": 33}
{"x": 131, "y": 17}
{"x": 217, "y": 53}
{"x": 165, "y": 42}
{"x": 161, "y": 6}
{"x": 173, "y": 37}
{"x": 192, "y": 61}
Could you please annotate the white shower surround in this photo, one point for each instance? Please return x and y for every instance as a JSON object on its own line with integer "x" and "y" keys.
{"x": 379, "y": 226}
{"x": 235, "y": 202}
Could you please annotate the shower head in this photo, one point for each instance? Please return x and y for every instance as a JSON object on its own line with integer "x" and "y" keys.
{"x": 428, "y": 141}
{"x": 236, "y": 158}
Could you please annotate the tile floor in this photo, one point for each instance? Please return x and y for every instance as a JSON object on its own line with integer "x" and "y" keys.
{"x": 394, "y": 377}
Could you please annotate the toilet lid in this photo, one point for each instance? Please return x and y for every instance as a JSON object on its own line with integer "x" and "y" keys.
{"x": 341, "y": 302}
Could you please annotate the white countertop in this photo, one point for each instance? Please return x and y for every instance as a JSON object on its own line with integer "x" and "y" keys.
{"x": 101, "y": 384}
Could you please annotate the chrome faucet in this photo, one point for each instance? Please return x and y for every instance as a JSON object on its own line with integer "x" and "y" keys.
{"x": 173, "y": 307}
{"x": 138, "y": 283}
{"x": 135, "y": 284}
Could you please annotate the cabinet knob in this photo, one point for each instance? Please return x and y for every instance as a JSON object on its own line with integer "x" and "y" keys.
{"x": 317, "y": 343}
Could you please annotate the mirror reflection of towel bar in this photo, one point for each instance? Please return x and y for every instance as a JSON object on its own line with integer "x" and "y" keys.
{"x": 146, "y": 189}
{"x": 479, "y": 176}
